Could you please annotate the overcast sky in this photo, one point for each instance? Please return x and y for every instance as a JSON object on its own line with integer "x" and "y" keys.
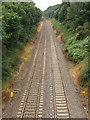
{"x": 44, "y": 4}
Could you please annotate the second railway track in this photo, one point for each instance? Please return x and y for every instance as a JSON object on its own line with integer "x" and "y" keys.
{"x": 45, "y": 95}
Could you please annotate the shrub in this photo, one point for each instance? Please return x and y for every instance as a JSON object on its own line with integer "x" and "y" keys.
{"x": 85, "y": 76}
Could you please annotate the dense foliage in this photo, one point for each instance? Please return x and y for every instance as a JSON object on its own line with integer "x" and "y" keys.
{"x": 72, "y": 14}
{"x": 19, "y": 22}
{"x": 73, "y": 22}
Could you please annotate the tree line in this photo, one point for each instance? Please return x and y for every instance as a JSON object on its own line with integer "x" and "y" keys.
{"x": 19, "y": 23}
{"x": 72, "y": 14}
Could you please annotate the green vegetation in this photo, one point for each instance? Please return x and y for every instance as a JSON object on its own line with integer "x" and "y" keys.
{"x": 85, "y": 74}
{"x": 73, "y": 22}
{"x": 19, "y": 23}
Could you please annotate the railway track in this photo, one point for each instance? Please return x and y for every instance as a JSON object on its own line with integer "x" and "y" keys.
{"x": 45, "y": 95}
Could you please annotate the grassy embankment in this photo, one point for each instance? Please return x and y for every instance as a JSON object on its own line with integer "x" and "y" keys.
{"x": 76, "y": 53}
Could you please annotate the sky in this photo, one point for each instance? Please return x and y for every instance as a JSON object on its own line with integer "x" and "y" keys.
{"x": 44, "y": 4}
